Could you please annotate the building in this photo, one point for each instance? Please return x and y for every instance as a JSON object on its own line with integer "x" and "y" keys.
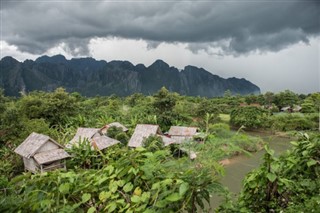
{"x": 94, "y": 137}
{"x": 181, "y": 133}
{"x": 40, "y": 153}
{"x": 141, "y": 132}
{"x": 105, "y": 128}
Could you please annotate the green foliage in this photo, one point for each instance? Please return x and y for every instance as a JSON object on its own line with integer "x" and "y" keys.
{"x": 139, "y": 181}
{"x": 250, "y": 117}
{"x": 293, "y": 121}
{"x": 53, "y": 107}
{"x": 311, "y": 104}
{"x": 286, "y": 98}
{"x": 84, "y": 156}
{"x": 153, "y": 143}
{"x": 164, "y": 104}
{"x": 288, "y": 182}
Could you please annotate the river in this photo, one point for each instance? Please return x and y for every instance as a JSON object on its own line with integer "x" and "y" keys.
{"x": 240, "y": 165}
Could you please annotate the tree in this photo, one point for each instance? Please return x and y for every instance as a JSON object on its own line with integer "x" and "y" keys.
{"x": 164, "y": 104}
{"x": 311, "y": 104}
{"x": 250, "y": 117}
{"x": 286, "y": 98}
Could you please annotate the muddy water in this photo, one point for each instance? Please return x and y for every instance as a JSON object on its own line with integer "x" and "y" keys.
{"x": 239, "y": 166}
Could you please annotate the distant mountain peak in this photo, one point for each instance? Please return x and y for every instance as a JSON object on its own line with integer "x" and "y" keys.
{"x": 8, "y": 59}
{"x": 53, "y": 59}
{"x": 91, "y": 77}
{"x": 160, "y": 63}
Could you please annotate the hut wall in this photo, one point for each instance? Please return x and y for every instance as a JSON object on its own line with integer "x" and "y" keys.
{"x": 48, "y": 146}
{"x": 59, "y": 164}
{"x": 30, "y": 164}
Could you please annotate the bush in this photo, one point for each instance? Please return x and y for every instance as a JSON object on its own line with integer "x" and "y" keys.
{"x": 250, "y": 117}
{"x": 138, "y": 181}
{"x": 291, "y": 121}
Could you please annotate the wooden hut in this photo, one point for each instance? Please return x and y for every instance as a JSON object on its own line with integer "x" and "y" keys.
{"x": 95, "y": 138}
{"x": 181, "y": 133}
{"x": 105, "y": 128}
{"x": 41, "y": 153}
{"x": 141, "y": 132}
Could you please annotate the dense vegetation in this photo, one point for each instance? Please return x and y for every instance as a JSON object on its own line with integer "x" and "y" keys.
{"x": 288, "y": 183}
{"x": 153, "y": 178}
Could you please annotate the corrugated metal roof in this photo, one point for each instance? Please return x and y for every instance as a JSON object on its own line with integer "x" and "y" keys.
{"x": 32, "y": 144}
{"x": 182, "y": 131}
{"x": 50, "y": 156}
{"x": 102, "y": 142}
{"x": 141, "y": 132}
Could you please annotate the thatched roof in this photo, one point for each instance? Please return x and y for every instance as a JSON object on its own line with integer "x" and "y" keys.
{"x": 182, "y": 131}
{"x": 83, "y": 133}
{"x": 32, "y": 144}
{"x": 102, "y": 142}
{"x": 116, "y": 124}
{"x": 50, "y": 156}
{"x": 141, "y": 132}
{"x": 167, "y": 141}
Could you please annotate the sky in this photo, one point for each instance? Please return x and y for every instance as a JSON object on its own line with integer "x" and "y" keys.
{"x": 273, "y": 43}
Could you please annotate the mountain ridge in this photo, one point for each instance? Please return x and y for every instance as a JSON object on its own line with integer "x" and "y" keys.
{"x": 92, "y": 77}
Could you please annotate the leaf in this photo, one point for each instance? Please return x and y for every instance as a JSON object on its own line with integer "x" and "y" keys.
{"x": 173, "y": 197}
{"x": 137, "y": 191}
{"x": 112, "y": 206}
{"x": 103, "y": 196}
{"x": 275, "y": 167}
{"x": 91, "y": 210}
{"x": 120, "y": 183}
{"x": 128, "y": 187}
{"x": 183, "y": 188}
{"x": 311, "y": 162}
{"x": 135, "y": 199}
{"x": 145, "y": 196}
{"x": 64, "y": 188}
{"x": 272, "y": 177}
{"x": 85, "y": 197}
{"x": 268, "y": 150}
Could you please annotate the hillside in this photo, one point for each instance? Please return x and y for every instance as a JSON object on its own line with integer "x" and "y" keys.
{"x": 91, "y": 77}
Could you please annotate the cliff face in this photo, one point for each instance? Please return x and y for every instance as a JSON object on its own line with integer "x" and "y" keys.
{"x": 91, "y": 77}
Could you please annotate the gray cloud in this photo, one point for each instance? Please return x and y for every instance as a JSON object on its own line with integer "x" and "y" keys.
{"x": 230, "y": 27}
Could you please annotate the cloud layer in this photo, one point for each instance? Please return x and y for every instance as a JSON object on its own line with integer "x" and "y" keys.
{"x": 217, "y": 27}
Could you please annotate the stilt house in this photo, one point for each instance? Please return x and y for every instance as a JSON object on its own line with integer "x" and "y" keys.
{"x": 40, "y": 153}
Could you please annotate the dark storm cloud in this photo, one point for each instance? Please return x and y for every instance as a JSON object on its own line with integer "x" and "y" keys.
{"x": 233, "y": 27}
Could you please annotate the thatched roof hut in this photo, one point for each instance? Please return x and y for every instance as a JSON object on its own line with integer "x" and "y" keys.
{"x": 93, "y": 135}
{"x": 105, "y": 128}
{"x": 182, "y": 133}
{"x": 41, "y": 153}
{"x": 141, "y": 132}
{"x": 167, "y": 140}
{"x": 83, "y": 134}
{"x": 103, "y": 142}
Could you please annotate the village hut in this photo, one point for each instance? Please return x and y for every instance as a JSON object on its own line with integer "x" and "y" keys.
{"x": 141, "y": 132}
{"x": 96, "y": 140}
{"x": 41, "y": 153}
{"x": 105, "y": 128}
{"x": 103, "y": 142}
{"x": 181, "y": 133}
{"x": 286, "y": 109}
{"x": 167, "y": 140}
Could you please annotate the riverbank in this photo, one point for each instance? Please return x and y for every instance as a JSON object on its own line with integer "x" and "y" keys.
{"x": 237, "y": 167}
